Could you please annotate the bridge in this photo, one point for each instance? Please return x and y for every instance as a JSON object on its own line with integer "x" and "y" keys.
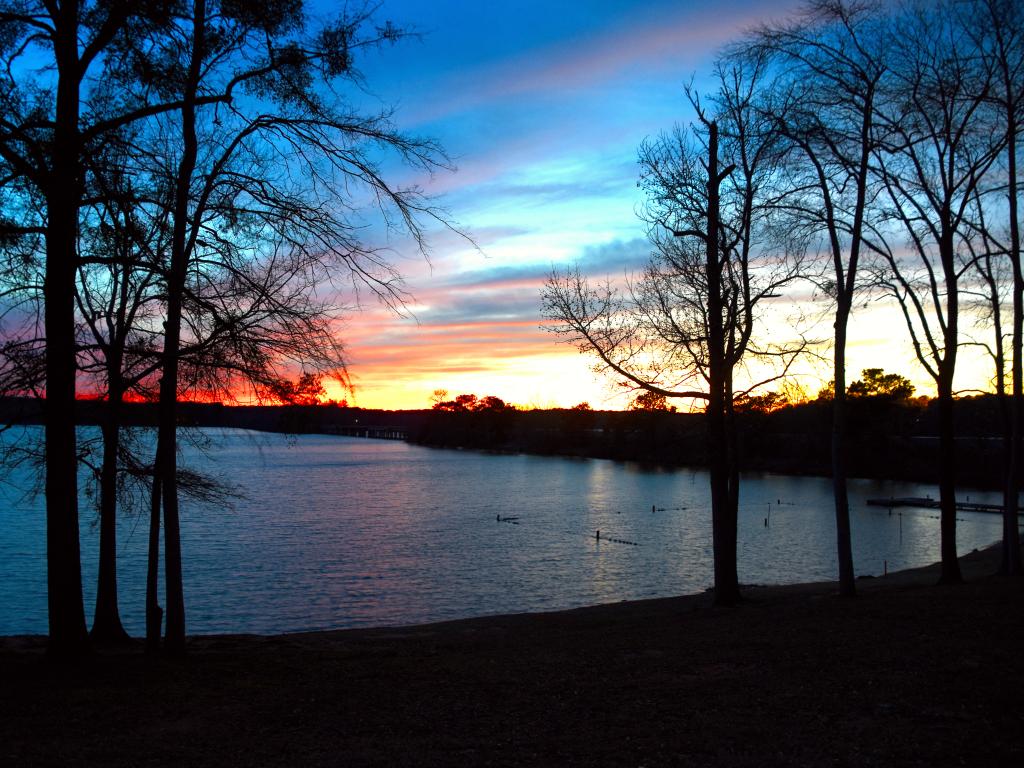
{"x": 366, "y": 430}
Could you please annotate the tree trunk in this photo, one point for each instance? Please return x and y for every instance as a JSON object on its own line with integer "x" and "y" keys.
{"x": 723, "y": 525}
{"x": 106, "y": 623}
{"x": 167, "y": 436}
{"x": 732, "y": 463}
{"x": 154, "y": 613}
{"x": 947, "y": 436}
{"x": 1011, "y": 561}
{"x": 67, "y": 628}
{"x": 1011, "y": 564}
{"x": 844, "y": 545}
{"x": 947, "y": 482}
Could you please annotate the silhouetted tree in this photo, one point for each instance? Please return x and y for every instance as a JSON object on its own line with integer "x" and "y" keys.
{"x": 308, "y": 390}
{"x": 689, "y": 320}
{"x": 469, "y": 403}
{"x": 831, "y": 61}
{"x": 276, "y": 168}
{"x": 876, "y": 383}
{"x": 493, "y": 404}
{"x": 996, "y": 28}
{"x": 47, "y": 129}
{"x": 650, "y": 401}
{"x": 252, "y": 162}
{"x": 939, "y": 145}
{"x": 766, "y": 403}
{"x": 117, "y": 301}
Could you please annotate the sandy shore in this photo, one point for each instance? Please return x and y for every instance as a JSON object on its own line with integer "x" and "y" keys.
{"x": 906, "y": 674}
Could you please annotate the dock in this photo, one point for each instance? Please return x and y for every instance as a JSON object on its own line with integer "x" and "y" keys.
{"x": 930, "y": 503}
{"x": 367, "y": 431}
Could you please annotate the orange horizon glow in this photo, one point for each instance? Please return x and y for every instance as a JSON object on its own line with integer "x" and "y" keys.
{"x": 544, "y": 114}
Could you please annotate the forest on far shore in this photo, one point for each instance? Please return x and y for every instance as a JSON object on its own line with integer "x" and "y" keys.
{"x": 889, "y": 438}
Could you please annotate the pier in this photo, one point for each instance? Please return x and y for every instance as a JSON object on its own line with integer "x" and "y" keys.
{"x": 372, "y": 432}
{"x": 930, "y": 503}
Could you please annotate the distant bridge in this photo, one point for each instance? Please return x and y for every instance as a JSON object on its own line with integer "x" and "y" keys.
{"x": 373, "y": 432}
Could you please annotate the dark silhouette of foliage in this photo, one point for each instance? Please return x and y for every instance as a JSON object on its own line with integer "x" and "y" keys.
{"x": 651, "y": 401}
{"x": 469, "y": 403}
{"x": 307, "y": 390}
{"x": 876, "y": 383}
{"x": 766, "y": 403}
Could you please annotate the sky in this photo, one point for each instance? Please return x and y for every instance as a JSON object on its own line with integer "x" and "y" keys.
{"x": 542, "y": 107}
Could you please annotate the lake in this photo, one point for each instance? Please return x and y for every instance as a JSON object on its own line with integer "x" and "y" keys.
{"x": 346, "y": 532}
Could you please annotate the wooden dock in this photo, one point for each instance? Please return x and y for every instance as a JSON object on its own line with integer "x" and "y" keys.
{"x": 372, "y": 432}
{"x": 930, "y": 503}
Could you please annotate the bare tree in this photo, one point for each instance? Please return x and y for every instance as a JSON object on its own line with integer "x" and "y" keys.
{"x": 687, "y": 323}
{"x": 830, "y": 63}
{"x": 261, "y": 200}
{"x": 997, "y": 31}
{"x": 44, "y": 136}
{"x": 938, "y": 147}
{"x": 117, "y": 300}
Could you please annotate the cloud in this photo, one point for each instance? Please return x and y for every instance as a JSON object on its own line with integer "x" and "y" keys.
{"x": 473, "y": 320}
{"x": 614, "y": 258}
{"x": 653, "y": 45}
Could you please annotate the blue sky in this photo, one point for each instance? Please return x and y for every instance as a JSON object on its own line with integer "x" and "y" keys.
{"x": 541, "y": 106}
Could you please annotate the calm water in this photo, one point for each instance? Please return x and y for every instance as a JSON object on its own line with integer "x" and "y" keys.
{"x": 345, "y": 532}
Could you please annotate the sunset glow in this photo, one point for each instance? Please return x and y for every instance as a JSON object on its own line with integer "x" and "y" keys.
{"x": 542, "y": 113}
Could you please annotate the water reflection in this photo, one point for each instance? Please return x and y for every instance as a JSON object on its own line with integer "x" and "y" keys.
{"x": 347, "y": 532}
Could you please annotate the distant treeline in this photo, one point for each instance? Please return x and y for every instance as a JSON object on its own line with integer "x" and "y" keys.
{"x": 893, "y": 440}
{"x": 293, "y": 419}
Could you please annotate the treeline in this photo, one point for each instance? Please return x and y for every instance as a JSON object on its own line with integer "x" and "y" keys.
{"x": 889, "y": 439}
{"x": 284, "y": 418}
{"x": 892, "y": 440}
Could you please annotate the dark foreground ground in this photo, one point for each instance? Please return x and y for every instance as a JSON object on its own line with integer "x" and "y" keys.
{"x": 906, "y": 674}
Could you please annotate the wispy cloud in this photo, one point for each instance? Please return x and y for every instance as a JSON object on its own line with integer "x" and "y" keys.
{"x": 673, "y": 42}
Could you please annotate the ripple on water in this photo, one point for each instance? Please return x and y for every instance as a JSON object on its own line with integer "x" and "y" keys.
{"x": 346, "y": 532}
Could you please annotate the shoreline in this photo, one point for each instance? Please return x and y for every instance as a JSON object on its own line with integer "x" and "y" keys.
{"x": 907, "y": 673}
{"x": 976, "y": 564}
{"x": 784, "y": 442}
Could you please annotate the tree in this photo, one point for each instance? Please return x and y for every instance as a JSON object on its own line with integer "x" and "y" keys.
{"x": 308, "y": 390}
{"x": 938, "y": 149}
{"x": 766, "y": 403}
{"x": 253, "y": 166}
{"x": 115, "y": 299}
{"x": 650, "y": 401}
{"x": 276, "y": 170}
{"x": 876, "y": 383}
{"x": 688, "y": 321}
{"x": 996, "y": 28}
{"x": 45, "y": 135}
{"x": 468, "y": 403}
{"x": 493, "y": 404}
{"x": 831, "y": 63}
{"x": 460, "y": 404}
